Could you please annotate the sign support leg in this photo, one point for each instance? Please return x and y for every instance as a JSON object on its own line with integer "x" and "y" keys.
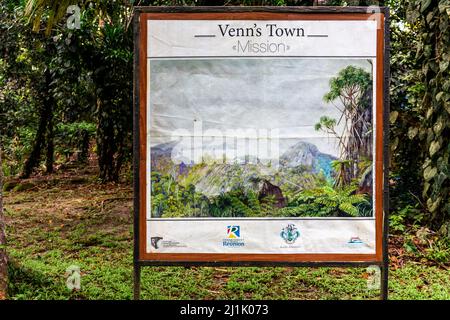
{"x": 384, "y": 281}
{"x": 137, "y": 282}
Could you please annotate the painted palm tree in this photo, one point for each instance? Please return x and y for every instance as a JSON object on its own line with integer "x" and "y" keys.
{"x": 352, "y": 87}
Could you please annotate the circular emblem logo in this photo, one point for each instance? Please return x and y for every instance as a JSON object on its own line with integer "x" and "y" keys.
{"x": 290, "y": 233}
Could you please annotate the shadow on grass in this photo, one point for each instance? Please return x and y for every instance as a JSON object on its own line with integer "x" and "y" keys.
{"x": 27, "y": 283}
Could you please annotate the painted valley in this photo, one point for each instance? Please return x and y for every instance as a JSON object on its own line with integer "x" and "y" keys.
{"x": 261, "y": 138}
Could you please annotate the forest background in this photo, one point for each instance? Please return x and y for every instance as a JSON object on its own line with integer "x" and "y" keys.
{"x": 66, "y": 151}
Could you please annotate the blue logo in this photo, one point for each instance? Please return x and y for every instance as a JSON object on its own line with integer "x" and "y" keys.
{"x": 233, "y": 232}
{"x": 355, "y": 241}
{"x": 290, "y": 233}
{"x": 233, "y": 238}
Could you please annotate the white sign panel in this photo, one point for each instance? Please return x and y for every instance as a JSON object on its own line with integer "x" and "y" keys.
{"x": 200, "y": 38}
{"x": 261, "y": 136}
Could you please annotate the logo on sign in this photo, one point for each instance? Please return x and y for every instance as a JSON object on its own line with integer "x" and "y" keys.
{"x": 355, "y": 241}
{"x": 233, "y": 237}
{"x": 290, "y": 233}
{"x": 154, "y": 241}
{"x": 233, "y": 232}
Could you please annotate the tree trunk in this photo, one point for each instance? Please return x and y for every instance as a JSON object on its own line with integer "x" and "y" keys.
{"x": 35, "y": 155}
{"x": 50, "y": 135}
{"x": 3, "y": 257}
{"x": 106, "y": 145}
{"x": 44, "y": 119}
{"x": 84, "y": 147}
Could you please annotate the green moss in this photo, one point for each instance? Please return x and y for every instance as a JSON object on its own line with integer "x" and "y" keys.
{"x": 23, "y": 186}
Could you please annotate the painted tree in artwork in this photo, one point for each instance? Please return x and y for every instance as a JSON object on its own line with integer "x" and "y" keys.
{"x": 3, "y": 260}
{"x": 352, "y": 87}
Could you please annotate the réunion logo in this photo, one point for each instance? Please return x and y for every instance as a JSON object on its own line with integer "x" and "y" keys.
{"x": 233, "y": 238}
{"x": 233, "y": 232}
{"x": 290, "y": 233}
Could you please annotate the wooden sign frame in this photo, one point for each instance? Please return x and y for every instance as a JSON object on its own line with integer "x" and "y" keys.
{"x": 142, "y": 257}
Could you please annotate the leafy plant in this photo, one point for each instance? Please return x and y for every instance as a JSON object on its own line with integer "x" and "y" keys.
{"x": 327, "y": 201}
{"x": 74, "y": 138}
{"x": 409, "y": 215}
{"x": 439, "y": 251}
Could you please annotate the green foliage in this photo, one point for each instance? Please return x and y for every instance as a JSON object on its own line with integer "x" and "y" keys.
{"x": 327, "y": 201}
{"x": 341, "y": 168}
{"x": 15, "y": 150}
{"x": 103, "y": 50}
{"x": 424, "y": 244}
{"x": 409, "y": 215}
{"x": 87, "y": 79}
{"x": 353, "y": 89}
{"x": 22, "y": 85}
{"x": 350, "y": 84}
{"x": 52, "y": 11}
{"x": 431, "y": 103}
{"x": 81, "y": 90}
{"x": 325, "y": 123}
{"x": 43, "y": 90}
{"x": 176, "y": 196}
{"x": 439, "y": 251}
{"x": 406, "y": 118}
{"x": 74, "y": 138}
{"x": 171, "y": 199}
{"x": 99, "y": 240}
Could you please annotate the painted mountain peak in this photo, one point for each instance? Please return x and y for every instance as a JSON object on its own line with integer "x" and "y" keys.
{"x": 303, "y": 159}
{"x": 301, "y": 153}
{"x": 308, "y": 155}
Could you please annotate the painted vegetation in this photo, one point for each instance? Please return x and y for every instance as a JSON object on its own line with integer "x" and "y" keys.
{"x": 305, "y": 183}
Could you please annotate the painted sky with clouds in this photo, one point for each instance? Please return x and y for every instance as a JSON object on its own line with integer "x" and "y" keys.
{"x": 284, "y": 94}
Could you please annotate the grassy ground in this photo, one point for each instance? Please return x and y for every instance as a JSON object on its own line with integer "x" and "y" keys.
{"x": 71, "y": 219}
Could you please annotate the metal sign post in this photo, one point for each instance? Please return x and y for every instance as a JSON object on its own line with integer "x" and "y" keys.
{"x": 248, "y": 124}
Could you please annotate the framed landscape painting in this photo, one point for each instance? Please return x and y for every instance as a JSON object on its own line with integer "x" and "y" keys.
{"x": 261, "y": 136}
